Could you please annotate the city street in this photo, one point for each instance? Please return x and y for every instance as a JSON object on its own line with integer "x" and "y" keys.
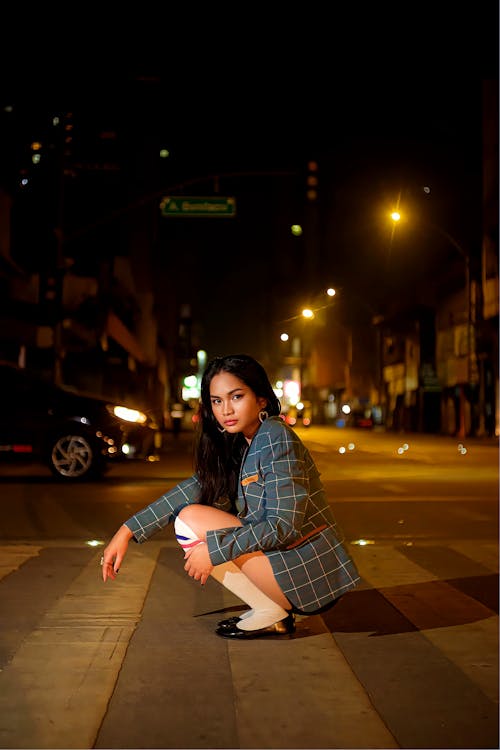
{"x": 203, "y": 242}
{"x": 409, "y": 659}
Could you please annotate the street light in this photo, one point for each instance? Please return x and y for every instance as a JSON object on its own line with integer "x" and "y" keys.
{"x": 309, "y": 312}
{"x": 396, "y": 217}
{"x": 299, "y": 353}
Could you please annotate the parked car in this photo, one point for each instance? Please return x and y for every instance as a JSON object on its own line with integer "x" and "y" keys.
{"x": 77, "y": 435}
{"x": 299, "y": 415}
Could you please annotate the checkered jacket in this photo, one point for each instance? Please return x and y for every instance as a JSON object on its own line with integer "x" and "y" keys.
{"x": 284, "y": 511}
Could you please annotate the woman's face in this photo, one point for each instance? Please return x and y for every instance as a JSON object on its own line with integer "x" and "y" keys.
{"x": 235, "y": 406}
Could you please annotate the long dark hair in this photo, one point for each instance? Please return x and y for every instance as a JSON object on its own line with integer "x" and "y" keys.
{"x": 218, "y": 455}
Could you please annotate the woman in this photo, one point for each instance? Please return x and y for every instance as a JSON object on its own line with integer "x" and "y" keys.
{"x": 254, "y": 515}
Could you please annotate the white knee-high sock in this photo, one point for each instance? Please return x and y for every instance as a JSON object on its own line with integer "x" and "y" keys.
{"x": 264, "y": 611}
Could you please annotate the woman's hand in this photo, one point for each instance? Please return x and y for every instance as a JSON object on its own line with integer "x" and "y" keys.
{"x": 115, "y": 552}
{"x": 198, "y": 564}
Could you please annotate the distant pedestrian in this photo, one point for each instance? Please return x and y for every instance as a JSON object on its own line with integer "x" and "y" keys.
{"x": 254, "y": 516}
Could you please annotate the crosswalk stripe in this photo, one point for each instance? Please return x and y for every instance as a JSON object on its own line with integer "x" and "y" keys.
{"x": 12, "y": 556}
{"x": 474, "y": 648}
{"x": 381, "y": 564}
{"x": 400, "y": 494}
{"x": 90, "y": 626}
{"x": 485, "y": 553}
{"x": 64, "y": 671}
{"x": 340, "y": 716}
{"x": 462, "y": 628}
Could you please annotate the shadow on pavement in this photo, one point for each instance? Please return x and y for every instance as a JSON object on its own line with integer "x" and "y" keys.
{"x": 434, "y": 604}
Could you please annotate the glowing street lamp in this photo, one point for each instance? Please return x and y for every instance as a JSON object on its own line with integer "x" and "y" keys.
{"x": 299, "y": 354}
{"x": 309, "y": 312}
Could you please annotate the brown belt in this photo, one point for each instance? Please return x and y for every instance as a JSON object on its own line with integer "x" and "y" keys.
{"x": 307, "y": 536}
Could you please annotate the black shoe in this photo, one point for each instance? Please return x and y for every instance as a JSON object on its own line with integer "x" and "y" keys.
{"x": 229, "y": 622}
{"x": 282, "y": 627}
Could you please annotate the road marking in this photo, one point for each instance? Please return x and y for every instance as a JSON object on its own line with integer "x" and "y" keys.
{"x": 12, "y": 556}
{"x": 334, "y": 499}
{"x": 381, "y": 565}
{"x": 66, "y": 698}
{"x": 431, "y": 604}
{"x": 340, "y": 716}
{"x": 395, "y": 489}
{"x": 484, "y": 553}
{"x": 61, "y": 678}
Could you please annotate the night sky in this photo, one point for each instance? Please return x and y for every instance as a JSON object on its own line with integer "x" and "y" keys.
{"x": 382, "y": 102}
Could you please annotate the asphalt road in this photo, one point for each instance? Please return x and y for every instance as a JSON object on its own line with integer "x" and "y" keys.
{"x": 409, "y": 659}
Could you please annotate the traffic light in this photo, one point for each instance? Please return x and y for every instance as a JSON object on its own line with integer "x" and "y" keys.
{"x": 68, "y": 134}
{"x": 312, "y": 181}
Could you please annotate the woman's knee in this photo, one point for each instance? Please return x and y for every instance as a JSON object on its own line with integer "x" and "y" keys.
{"x": 202, "y": 518}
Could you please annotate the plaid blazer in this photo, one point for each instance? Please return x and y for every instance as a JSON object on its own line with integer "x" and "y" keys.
{"x": 285, "y": 514}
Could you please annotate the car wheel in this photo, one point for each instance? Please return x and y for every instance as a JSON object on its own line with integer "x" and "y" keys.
{"x": 73, "y": 457}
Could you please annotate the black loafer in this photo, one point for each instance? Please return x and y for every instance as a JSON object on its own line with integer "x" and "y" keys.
{"x": 281, "y": 628}
{"x": 229, "y": 622}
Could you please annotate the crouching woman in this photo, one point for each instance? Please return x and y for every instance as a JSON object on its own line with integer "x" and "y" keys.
{"x": 254, "y": 515}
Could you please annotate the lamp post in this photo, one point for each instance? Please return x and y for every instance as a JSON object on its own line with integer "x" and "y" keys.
{"x": 396, "y": 217}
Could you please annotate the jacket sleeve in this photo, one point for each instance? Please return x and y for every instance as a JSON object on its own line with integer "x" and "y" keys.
{"x": 276, "y": 502}
{"x": 163, "y": 511}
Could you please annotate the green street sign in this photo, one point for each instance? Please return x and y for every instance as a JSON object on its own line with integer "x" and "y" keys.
{"x": 190, "y": 205}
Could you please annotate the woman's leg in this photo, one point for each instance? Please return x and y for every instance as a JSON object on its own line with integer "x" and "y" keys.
{"x": 203, "y": 518}
{"x": 250, "y": 576}
{"x": 256, "y": 567}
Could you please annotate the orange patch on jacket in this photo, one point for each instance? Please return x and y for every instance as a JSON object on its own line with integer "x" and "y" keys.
{"x": 249, "y": 480}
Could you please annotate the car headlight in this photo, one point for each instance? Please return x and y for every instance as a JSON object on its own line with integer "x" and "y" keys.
{"x": 128, "y": 415}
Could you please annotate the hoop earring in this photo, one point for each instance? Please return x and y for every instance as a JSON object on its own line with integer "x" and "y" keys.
{"x": 223, "y": 429}
{"x": 263, "y": 415}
